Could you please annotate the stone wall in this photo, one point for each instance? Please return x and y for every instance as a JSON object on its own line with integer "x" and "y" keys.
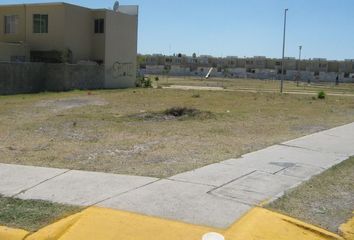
{"x": 36, "y": 77}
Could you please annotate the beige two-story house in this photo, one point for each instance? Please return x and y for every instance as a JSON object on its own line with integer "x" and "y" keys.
{"x": 62, "y": 32}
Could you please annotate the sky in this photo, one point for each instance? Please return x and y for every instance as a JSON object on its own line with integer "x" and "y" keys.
{"x": 240, "y": 27}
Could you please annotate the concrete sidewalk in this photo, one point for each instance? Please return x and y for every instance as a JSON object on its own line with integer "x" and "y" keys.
{"x": 216, "y": 195}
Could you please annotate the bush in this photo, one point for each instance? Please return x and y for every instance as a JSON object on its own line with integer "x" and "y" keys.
{"x": 147, "y": 83}
{"x": 157, "y": 79}
{"x": 144, "y": 82}
{"x": 197, "y": 95}
{"x": 321, "y": 95}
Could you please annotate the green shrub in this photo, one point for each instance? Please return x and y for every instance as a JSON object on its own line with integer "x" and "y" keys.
{"x": 144, "y": 82}
{"x": 321, "y": 95}
{"x": 157, "y": 79}
{"x": 147, "y": 82}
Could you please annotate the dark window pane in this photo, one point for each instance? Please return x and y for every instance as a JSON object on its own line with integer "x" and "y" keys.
{"x": 40, "y": 23}
{"x": 44, "y": 23}
{"x": 36, "y": 23}
{"x": 7, "y": 24}
{"x": 96, "y": 26}
{"x": 101, "y": 25}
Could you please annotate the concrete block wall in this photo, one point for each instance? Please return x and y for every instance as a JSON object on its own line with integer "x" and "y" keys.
{"x": 21, "y": 78}
{"x": 16, "y": 78}
{"x": 64, "y": 77}
{"x": 159, "y": 69}
{"x": 179, "y": 71}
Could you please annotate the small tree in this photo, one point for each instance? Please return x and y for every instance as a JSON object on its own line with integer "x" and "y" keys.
{"x": 166, "y": 71}
{"x": 337, "y": 80}
{"x": 157, "y": 81}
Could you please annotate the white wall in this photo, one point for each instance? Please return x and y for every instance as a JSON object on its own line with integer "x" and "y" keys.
{"x": 121, "y": 49}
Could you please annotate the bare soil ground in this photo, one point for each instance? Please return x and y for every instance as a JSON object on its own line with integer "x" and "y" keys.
{"x": 111, "y": 131}
{"x": 327, "y": 200}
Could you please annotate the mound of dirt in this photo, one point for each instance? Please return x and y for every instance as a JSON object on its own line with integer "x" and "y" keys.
{"x": 175, "y": 113}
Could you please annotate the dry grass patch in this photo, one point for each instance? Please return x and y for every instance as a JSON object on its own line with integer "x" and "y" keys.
{"x": 327, "y": 200}
{"x": 126, "y": 131}
{"x": 32, "y": 215}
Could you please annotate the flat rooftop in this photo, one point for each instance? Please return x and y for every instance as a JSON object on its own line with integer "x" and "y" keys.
{"x": 127, "y": 9}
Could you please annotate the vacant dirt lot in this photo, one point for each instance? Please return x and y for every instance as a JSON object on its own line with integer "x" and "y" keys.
{"x": 327, "y": 200}
{"x": 126, "y": 131}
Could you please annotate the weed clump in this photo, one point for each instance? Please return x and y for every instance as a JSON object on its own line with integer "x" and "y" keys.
{"x": 321, "y": 95}
{"x": 143, "y": 82}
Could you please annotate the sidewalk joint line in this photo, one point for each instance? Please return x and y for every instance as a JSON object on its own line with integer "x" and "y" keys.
{"x": 275, "y": 173}
{"x": 233, "y": 180}
{"x": 235, "y": 199}
{"x": 303, "y": 148}
{"x": 195, "y": 183}
{"x": 36, "y": 185}
{"x": 128, "y": 191}
{"x": 331, "y": 135}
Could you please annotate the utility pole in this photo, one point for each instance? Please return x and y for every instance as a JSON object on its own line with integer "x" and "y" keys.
{"x": 282, "y": 65}
{"x": 298, "y": 68}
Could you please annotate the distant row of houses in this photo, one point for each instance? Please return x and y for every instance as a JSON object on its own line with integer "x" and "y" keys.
{"x": 257, "y": 67}
{"x": 66, "y": 33}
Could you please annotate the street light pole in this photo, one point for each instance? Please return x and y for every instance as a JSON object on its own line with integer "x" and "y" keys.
{"x": 282, "y": 65}
{"x": 298, "y": 67}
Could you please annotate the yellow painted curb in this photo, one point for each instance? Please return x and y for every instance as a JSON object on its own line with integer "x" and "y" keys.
{"x": 56, "y": 230}
{"x": 347, "y": 229}
{"x": 12, "y": 234}
{"x": 262, "y": 224}
{"x": 106, "y": 224}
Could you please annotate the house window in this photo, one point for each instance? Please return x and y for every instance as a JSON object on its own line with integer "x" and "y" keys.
{"x": 40, "y": 23}
{"x": 18, "y": 58}
{"x": 11, "y": 23}
{"x": 284, "y": 71}
{"x": 99, "y": 25}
